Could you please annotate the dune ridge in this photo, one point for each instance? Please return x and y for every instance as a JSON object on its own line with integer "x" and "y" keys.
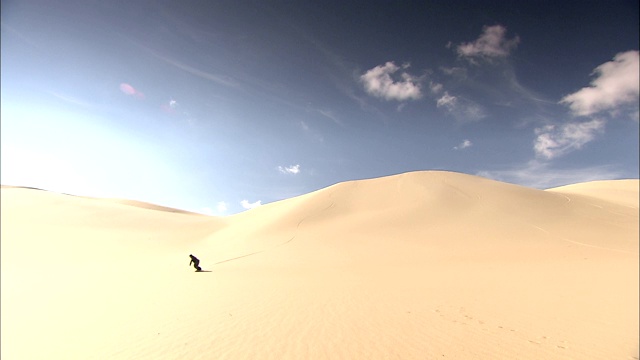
{"x": 428, "y": 264}
{"x": 129, "y": 202}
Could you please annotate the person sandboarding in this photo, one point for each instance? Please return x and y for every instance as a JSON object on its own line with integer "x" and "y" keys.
{"x": 195, "y": 262}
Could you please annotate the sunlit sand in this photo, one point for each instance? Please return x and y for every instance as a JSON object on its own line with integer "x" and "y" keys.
{"x": 423, "y": 265}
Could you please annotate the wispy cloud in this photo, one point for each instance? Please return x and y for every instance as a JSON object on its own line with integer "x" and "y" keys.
{"x": 496, "y": 84}
{"x": 71, "y": 99}
{"x": 492, "y": 44}
{"x": 556, "y": 140}
{"x": 519, "y": 93}
{"x": 616, "y": 82}
{"x": 455, "y": 71}
{"x": 311, "y": 133}
{"x": 378, "y": 82}
{"x": 466, "y": 143}
{"x": 330, "y": 115}
{"x": 250, "y": 205}
{"x": 293, "y": 169}
{"x": 462, "y": 109}
{"x": 219, "y": 79}
{"x": 20, "y": 35}
{"x": 542, "y": 175}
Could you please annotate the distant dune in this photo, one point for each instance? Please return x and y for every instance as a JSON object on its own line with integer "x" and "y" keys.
{"x": 422, "y": 265}
{"x": 623, "y": 192}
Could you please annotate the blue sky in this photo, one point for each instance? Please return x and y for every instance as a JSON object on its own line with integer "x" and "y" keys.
{"x": 220, "y": 106}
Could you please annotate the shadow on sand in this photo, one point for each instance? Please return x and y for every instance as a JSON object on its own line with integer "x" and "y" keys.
{"x": 203, "y": 271}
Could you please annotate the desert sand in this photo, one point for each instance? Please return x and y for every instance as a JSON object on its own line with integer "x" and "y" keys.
{"x": 422, "y": 265}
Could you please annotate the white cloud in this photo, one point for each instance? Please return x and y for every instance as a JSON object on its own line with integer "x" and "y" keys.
{"x": 541, "y": 175}
{"x": 435, "y": 88}
{"x": 491, "y": 44}
{"x": 248, "y": 205}
{"x": 463, "y": 145}
{"x": 463, "y": 110}
{"x": 222, "y": 207}
{"x": 293, "y": 169}
{"x": 458, "y": 72}
{"x": 553, "y": 141}
{"x": 207, "y": 211}
{"x": 447, "y": 100}
{"x": 616, "y": 83}
{"x": 379, "y": 83}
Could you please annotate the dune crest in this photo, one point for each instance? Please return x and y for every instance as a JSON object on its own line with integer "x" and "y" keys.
{"x": 429, "y": 264}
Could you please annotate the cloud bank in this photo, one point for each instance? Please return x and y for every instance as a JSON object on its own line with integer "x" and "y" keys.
{"x": 616, "y": 82}
{"x": 378, "y": 82}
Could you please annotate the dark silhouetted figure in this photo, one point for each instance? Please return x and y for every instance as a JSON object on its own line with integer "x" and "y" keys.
{"x": 195, "y": 262}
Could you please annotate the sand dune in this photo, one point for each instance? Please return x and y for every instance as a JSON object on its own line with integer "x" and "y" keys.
{"x": 423, "y": 265}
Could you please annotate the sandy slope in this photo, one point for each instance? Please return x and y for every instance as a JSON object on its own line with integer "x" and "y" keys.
{"x": 425, "y": 265}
